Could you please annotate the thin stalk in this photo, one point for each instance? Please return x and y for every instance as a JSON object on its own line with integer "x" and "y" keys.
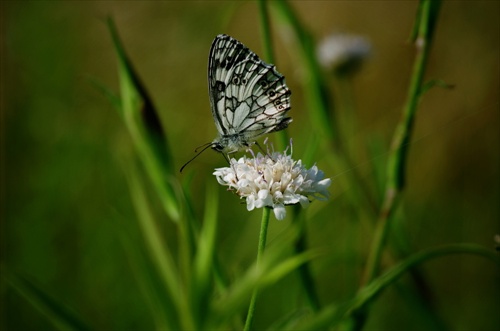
{"x": 306, "y": 277}
{"x": 320, "y": 106}
{"x": 266, "y": 32}
{"x": 267, "y": 42}
{"x": 262, "y": 245}
{"x": 396, "y": 164}
{"x": 305, "y": 270}
{"x": 348, "y": 126}
{"x": 300, "y": 244}
{"x": 322, "y": 112}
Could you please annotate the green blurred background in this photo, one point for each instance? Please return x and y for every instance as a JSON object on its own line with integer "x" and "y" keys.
{"x": 64, "y": 193}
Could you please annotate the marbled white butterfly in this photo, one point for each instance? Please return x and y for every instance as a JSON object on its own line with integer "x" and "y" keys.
{"x": 248, "y": 97}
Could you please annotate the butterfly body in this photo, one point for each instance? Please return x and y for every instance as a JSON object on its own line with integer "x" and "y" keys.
{"x": 248, "y": 97}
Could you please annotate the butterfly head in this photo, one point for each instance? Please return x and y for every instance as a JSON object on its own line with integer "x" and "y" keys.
{"x": 228, "y": 144}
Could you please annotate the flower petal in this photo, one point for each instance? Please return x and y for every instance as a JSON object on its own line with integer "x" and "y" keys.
{"x": 250, "y": 202}
{"x": 279, "y": 211}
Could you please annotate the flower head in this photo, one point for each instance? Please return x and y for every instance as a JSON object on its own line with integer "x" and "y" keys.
{"x": 343, "y": 52}
{"x": 274, "y": 180}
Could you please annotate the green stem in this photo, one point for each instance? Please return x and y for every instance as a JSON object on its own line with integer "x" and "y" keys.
{"x": 322, "y": 111}
{"x": 320, "y": 106}
{"x": 306, "y": 277}
{"x": 262, "y": 245}
{"x": 266, "y": 32}
{"x": 282, "y": 136}
{"x": 396, "y": 164}
{"x": 347, "y": 114}
{"x": 305, "y": 270}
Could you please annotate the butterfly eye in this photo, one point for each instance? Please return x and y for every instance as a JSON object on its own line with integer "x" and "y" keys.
{"x": 218, "y": 147}
{"x": 264, "y": 84}
{"x": 236, "y": 80}
{"x": 271, "y": 93}
{"x": 244, "y": 81}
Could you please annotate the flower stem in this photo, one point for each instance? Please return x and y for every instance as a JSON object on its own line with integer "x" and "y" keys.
{"x": 267, "y": 45}
{"x": 266, "y": 32}
{"x": 396, "y": 163}
{"x": 304, "y": 270}
{"x": 262, "y": 245}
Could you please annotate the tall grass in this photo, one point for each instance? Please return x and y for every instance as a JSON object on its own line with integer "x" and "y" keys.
{"x": 192, "y": 291}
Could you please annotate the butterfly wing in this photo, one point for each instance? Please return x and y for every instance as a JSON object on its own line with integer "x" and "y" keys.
{"x": 247, "y": 96}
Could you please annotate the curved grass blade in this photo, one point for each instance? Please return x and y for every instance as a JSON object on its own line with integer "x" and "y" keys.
{"x": 270, "y": 270}
{"x": 204, "y": 259}
{"x": 143, "y": 123}
{"x": 335, "y": 314}
{"x": 157, "y": 249}
{"x": 151, "y": 285}
{"x": 110, "y": 95}
{"x": 60, "y": 315}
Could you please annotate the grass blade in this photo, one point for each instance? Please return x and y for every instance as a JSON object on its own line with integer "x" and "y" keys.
{"x": 270, "y": 270}
{"x": 62, "y": 317}
{"x": 142, "y": 121}
{"x": 335, "y": 314}
{"x": 151, "y": 286}
{"x": 205, "y": 256}
{"x": 157, "y": 249}
{"x": 110, "y": 95}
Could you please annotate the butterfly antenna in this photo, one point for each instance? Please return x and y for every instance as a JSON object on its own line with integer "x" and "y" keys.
{"x": 205, "y": 146}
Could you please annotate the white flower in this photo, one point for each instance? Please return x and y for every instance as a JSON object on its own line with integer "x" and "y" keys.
{"x": 274, "y": 180}
{"x": 342, "y": 51}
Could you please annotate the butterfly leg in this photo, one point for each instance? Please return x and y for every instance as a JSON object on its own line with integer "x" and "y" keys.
{"x": 262, "y": 149}
{"x": 226, "y": 156}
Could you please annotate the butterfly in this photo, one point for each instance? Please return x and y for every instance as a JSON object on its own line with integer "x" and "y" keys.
{"x": 248, "y": 97}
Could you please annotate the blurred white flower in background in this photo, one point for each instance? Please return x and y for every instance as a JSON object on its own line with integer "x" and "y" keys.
{"x": 343, "y": 52}
{"x": 274, "y": 180}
